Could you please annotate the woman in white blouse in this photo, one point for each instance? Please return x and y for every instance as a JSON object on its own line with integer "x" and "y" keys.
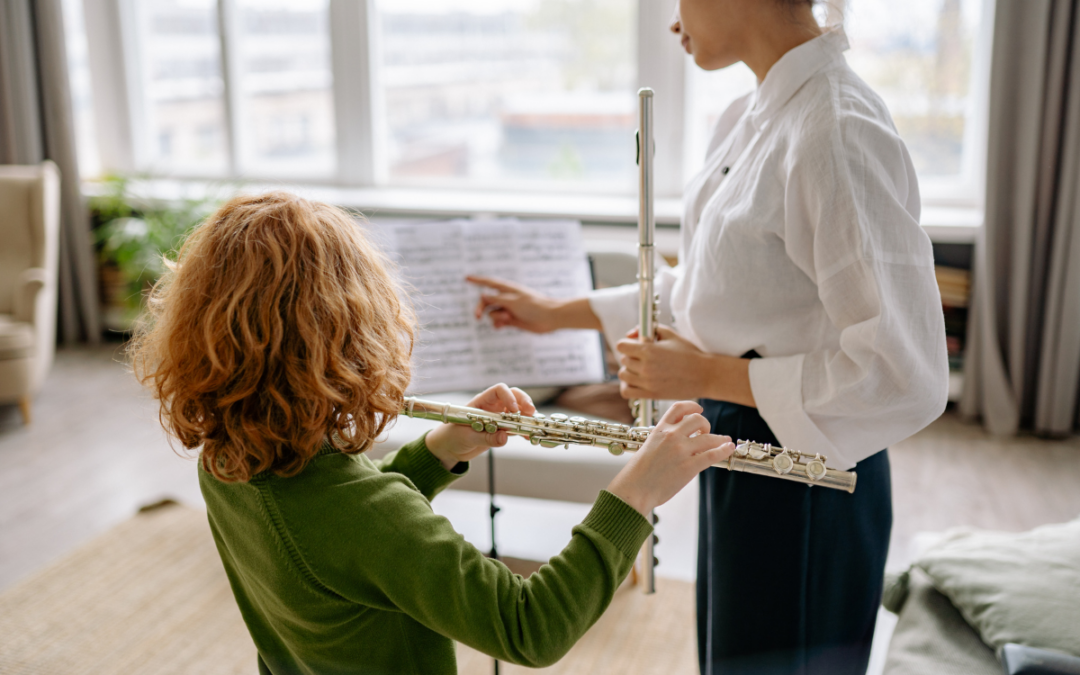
{"x": 803, "y": 312}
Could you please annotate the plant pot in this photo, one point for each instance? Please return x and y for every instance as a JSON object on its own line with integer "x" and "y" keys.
{"x": 120, "y": 308}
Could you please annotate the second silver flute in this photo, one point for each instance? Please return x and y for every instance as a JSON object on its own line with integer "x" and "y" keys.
{"x": 557, "y": 429}
{"x": 645, "y": 410}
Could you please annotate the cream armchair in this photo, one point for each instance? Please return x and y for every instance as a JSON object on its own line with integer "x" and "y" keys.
{"x": 29, "y": 233}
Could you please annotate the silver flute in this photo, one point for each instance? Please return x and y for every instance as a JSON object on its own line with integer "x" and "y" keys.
{"x": 645, "y": 410}
{"x": 551, "y": 431}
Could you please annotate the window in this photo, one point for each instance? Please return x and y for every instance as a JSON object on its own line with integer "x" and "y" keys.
{"x": 923, "y": 62}
{"x": 285, "y": 87}
{"x": 510, "y": 93}
{"x": 521, "y": 95}
{"x": 182, "y": 85}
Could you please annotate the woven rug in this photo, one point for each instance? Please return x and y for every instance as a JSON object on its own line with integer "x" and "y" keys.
{"x": 150, "y": 596}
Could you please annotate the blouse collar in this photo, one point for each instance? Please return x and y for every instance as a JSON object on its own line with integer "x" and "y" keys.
{"x": 793, "y": 70}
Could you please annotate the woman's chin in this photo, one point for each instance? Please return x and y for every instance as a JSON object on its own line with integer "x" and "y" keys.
{"x": 710, "y": 62}
{"x": 705, "y": 63}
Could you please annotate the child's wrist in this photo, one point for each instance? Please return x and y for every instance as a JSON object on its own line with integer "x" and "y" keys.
{"x": 438, "y": 445}
{"x": 635, "y": 498}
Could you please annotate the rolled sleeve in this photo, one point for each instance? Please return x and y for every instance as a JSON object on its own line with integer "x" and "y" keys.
{"x": 853, "y": 206}
{"x": 618, "y": 308}
{"x": 776, "y": 383}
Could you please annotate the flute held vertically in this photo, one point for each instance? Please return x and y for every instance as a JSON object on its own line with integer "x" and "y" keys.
{"x": 646, "y": 410}
{"x": 554, "y": 430}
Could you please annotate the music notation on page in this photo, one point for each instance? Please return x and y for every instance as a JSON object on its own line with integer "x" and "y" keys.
{"x": 454, "y": 351}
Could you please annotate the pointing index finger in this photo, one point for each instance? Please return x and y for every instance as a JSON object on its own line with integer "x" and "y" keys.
{"x": 488, "y": 282}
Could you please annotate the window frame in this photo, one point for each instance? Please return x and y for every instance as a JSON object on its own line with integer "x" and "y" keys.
{"x": 120, "y": 108}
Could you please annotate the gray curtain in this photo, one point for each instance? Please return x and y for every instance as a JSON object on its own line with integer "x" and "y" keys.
{"x": 36, "y": 124}
{"x": 1023, "y": 364}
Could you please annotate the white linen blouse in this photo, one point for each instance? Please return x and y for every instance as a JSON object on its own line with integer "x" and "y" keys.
{"x": 801, "y": 241}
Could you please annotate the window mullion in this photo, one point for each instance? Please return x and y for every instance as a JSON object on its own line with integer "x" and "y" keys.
{"x": 354, "y": 55}
{"x": 229, "y": 36}
{"x": 661, "y": 65}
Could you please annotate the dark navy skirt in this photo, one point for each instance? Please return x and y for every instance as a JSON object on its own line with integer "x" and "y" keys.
{"x": 789, "y": 576}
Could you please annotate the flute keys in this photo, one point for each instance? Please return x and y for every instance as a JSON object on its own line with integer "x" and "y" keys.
{"x": 742, "y": 449}
{"x": 783, "y": 464}
{"x": 616, "y": 448}
{"x": 477, "y": 426}
{"x": 558, "y": 417}
{"x": 815, "y": 468}
{"x": 491, "y": 427}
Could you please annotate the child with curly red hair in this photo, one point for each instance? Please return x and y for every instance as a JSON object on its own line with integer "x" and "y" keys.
{"x": 278, "y": 343}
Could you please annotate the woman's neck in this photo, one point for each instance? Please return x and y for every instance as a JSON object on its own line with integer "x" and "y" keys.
{"x": 768, "y": 40}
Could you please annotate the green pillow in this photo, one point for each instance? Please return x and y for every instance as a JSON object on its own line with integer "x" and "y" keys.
{"x": 1013, "y": 587}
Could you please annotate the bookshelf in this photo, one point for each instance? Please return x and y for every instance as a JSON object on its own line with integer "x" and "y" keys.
{"x": 952, "y": 267}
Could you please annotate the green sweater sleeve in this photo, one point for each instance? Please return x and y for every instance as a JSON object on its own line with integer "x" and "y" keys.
{"x": 415, "y": 462}
{"x": 382, "y": 546}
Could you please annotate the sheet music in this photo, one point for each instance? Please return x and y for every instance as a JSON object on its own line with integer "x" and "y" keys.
{"x": 454, "y": 351}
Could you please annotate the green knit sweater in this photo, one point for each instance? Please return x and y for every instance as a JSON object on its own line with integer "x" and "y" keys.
{"x": 344, "y": 568}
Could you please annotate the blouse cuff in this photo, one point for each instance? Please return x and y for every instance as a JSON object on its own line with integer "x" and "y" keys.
{"x": 617, "y": 309}
{"x": 776, "y": 383}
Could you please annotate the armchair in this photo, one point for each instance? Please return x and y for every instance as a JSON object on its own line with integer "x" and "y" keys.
{"x": 29, "y": 240}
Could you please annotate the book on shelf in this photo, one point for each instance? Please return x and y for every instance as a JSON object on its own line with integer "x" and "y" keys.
{"x": 954, "y": 284}
{"x": 955, "y": 287}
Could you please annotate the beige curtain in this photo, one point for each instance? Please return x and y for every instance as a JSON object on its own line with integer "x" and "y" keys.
{"x": 1023, "y": 363}
{"x": 36, "y": 123}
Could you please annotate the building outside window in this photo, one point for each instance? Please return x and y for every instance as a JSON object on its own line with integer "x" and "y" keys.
{"x": 510, "y": 93}
{"x": 535, "y": 95}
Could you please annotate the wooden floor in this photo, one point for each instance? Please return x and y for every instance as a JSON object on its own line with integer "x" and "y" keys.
{"x": 95, "y": 453}
{"x": 92, "y": 456}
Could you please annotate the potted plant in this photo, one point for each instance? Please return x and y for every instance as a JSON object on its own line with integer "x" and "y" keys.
{"x": 133, "y": 235}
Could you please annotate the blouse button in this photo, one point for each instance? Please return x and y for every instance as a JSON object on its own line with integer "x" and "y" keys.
{"x": 725, "y": 170}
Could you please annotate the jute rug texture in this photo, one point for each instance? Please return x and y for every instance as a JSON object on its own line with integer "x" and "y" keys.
{"x": 151, "y": 597}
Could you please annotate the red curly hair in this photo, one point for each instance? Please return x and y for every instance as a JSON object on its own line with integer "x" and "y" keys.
{"x": 278, "y": 328}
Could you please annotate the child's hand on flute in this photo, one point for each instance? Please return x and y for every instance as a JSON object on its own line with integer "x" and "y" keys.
{"x": 678, "y": 449}
{"x": 453, "y": 443}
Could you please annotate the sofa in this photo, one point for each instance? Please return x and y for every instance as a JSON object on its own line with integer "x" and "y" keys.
{"x": 29, "y": 242}
{"x": 981, "y": 602}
